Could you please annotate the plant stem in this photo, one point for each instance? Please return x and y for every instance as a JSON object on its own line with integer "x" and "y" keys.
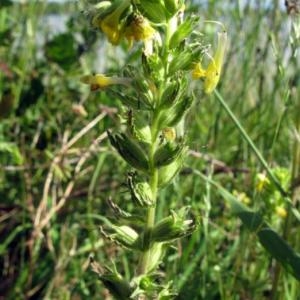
{"x": 146, "y": 255}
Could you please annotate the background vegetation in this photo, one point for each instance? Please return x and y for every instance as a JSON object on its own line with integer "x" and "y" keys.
{"x": 57, "y": 169}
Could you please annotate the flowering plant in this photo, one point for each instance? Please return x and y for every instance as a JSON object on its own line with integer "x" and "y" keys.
{"x": 157, "y": 95}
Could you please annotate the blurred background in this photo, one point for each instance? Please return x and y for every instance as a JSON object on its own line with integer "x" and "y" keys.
{"x": 57, "y": 169}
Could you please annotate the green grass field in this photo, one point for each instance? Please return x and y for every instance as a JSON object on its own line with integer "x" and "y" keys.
{"x": 57, "y": 168}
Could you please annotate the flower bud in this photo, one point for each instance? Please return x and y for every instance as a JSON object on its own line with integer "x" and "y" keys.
{"x": 167, "y": 173}
{"x": 138, "y": 29}
{"x": 167, "y": 154}
{"x": 129, "y": 150}
{"x": 157, "y": 253}
{"x": 141, "y": 193}
{"x": 173, "y": 227}
{"x": 116, "y": 284}
{"x": 170, "y": 117}
{"x": 124, "y": 235}
{"x": 138, "y": 128}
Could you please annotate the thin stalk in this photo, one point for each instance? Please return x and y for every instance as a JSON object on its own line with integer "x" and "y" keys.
{"x": 251, "y": 144}
{"x": 145, "y": 258}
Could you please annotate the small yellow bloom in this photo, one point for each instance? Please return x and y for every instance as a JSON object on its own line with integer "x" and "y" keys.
{"x": 100, "y": 81}
{"x": 213, "y": 71}
{"x": 139, "y": 29}
{"x": 281, "y": 211}
{"x": 262, "y": 182}
{"x": 241, "y": 196}
{"x": 169, "y": 133}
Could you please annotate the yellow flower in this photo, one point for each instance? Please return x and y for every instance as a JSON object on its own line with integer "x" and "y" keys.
{"x": 262, "y": 182}
{"x": 281, "y": 212}
{"x": 241, "y": 196}
{"x": 110, "y": 24}
{"x": 213, "y": 71}
{"x": 139, "y": 29}
{"x": 100, "y": 81}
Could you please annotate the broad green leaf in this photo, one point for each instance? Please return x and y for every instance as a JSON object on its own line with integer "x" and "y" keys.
{"x": 280, "y": 250}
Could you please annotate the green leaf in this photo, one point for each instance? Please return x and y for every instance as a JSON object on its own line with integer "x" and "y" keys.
{"x": 172, "y": 116}
{"x": 154, "y": 10}
{"x": 181, "y": 61}
{"x": 280, "y": 250}
{"x": 183, "y": 31}
{"x": 129, "y": 150}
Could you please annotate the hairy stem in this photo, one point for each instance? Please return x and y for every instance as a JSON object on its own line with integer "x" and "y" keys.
{"x": 146, "y": 255}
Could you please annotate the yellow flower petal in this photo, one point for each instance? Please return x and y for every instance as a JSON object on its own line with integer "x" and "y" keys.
{"x": 262, "y": 182}
{"x": 139, "y": 29}
{"x": 213, "y": 70}
{"x": 212, "y": 73}
{"x": 198, "y": 71}
{"x": 111, "y": 25}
